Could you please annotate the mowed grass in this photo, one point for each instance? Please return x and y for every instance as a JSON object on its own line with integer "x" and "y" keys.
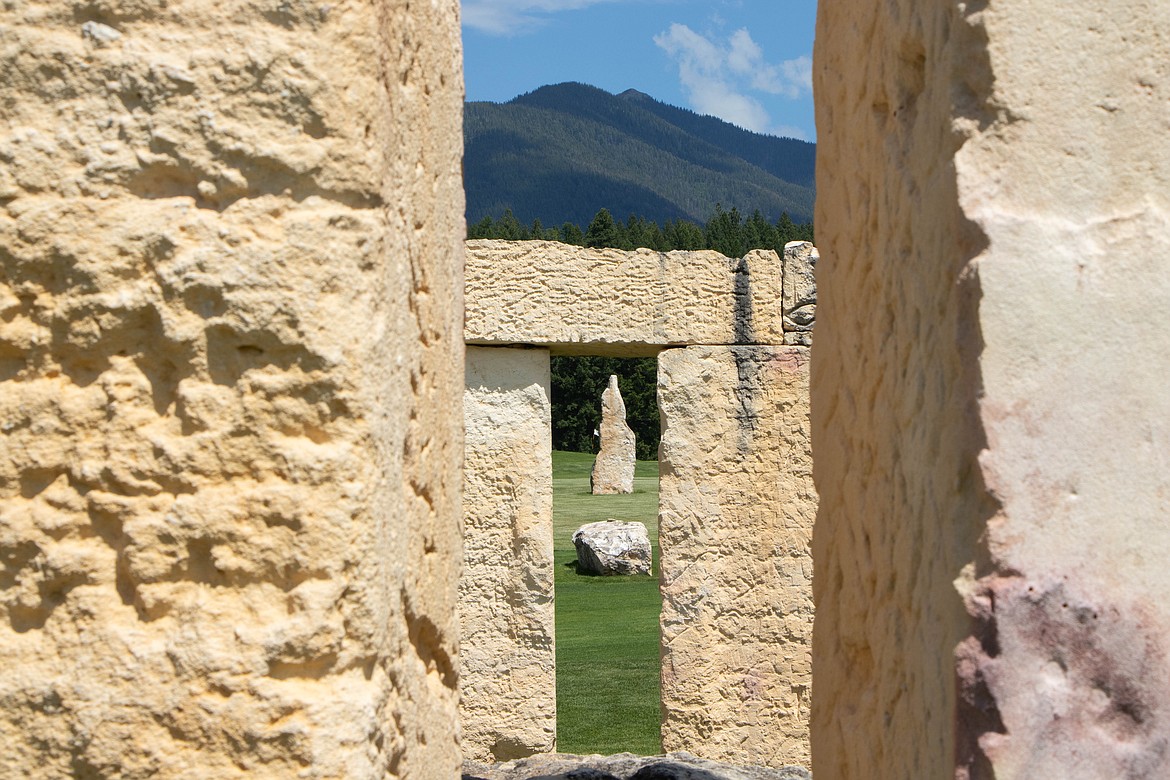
{"x": 607, "y": 627}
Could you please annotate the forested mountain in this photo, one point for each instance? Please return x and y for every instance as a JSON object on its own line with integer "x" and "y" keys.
{"x": 562, "y": 152}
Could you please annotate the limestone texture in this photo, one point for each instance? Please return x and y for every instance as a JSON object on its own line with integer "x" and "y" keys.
{"x": 507, "y": 651}
{"x": 230, "y": 298}
{"x": 613, "y": 547}
{"x": 735, "y": 523}
{"x": 991, "y": 459}
{"x": 613, "y": 469}
{"x": 679, "y": 765}
{"x": 800, "y": 292}
{"x": 576, "y": 300}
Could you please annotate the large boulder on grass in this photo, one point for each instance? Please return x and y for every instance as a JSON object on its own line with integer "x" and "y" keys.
{"x": 612, "y": 547}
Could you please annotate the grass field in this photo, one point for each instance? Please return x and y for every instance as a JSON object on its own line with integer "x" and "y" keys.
{"x": 607, "y": 627}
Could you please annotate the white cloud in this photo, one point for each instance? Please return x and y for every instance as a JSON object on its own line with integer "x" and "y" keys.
{"x": 512, "y": 17}
{"x": 719, "y": 77}
{"x": 745, "y": 55}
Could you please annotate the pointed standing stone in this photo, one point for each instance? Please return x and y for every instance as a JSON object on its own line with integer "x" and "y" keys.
{"x": 613, "y": 471}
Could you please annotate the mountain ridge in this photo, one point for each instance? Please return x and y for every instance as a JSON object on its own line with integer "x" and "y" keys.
{"x": 563, "y": 151}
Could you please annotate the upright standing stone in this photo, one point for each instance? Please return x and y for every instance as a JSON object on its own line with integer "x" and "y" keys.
{"x": 991, "y": 413}
{"x": 613, "y": 470}
{"x": 507, "y": 651}
{"x": 230, "y": 253}
{"x": 735, "y": 525}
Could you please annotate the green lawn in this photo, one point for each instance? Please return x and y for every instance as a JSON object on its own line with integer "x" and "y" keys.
{"x": 607, "y": 627}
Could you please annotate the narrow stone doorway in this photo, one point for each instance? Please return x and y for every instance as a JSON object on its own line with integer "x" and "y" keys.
{"x": 607, "y": 627}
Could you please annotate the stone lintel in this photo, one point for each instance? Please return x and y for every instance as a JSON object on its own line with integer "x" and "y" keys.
{"x": 576, "y": 300}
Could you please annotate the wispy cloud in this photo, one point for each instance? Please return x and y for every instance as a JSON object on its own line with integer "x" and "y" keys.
{"x": 719, "y": 76}
{"x": 513, "y": 17}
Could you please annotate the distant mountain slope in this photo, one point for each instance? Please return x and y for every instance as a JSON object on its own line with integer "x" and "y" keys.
{"x": 786, "y": 158}
{"x": 562, "y": 152}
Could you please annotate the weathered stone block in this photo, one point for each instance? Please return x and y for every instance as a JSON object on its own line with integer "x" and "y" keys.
{"x": 613, "y": 469}
{"x": 608, "y": 301}
{"x": 230, "y": 237}
{"x": 507, "y": 638}
{"x": 735, "y": 523}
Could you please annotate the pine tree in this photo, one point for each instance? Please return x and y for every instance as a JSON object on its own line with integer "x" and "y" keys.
{"x": 509, "y": 228}
{"x": 758, "y": 233}
{"x": 577, "y": 384}
{"x": 602, "y": 232}
{"x": 482, "y": 229}
{"x": 571, "y": 234}
{"x": 785, "y": 231}
{"x": 724, "y": 232}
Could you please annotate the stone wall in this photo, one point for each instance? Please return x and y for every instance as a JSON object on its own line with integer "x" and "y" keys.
{"x": 229, "y": 355}
{"x": 507, "y": 650}
{"x": 735, "y": 526}
{"x": 990, "y": 417}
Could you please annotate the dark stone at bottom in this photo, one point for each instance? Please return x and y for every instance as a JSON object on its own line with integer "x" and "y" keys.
{"x": 626, "y": 766}
{"x": 672, "y": 771}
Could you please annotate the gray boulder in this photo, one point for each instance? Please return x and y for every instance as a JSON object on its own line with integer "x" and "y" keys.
{"x": 613, "y": 547}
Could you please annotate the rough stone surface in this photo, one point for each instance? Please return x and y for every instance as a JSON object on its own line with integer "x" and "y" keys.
{"x": 800, "y": 292}
{"x": 230, "y": 252}
{"x": 609, "y": 301}
{"x": 992, "y": 463}
{"x": 507, "y": 651}
{"x": 613, "y": 469}
{"x": 735, "y": 524}
{"x": 613, "y": 547}
{"x": 679, "y": 765}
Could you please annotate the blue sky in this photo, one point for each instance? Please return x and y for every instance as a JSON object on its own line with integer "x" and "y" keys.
{"x": 745, "y": 61}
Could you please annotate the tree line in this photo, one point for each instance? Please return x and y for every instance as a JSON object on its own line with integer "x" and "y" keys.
{"x": 726, "y": 231}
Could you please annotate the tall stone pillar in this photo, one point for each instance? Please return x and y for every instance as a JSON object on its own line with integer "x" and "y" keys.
{"x": 990, "y": 415}
{"x": 613, "y": 469}
{"x": 735, "y": 523}
{"x": 507, "y": 647}
{"x": 230, "y": 309}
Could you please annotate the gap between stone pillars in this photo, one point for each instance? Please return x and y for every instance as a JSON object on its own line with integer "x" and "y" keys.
{"x": 506, "y": 617}
{"x": 736, "y": 510}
